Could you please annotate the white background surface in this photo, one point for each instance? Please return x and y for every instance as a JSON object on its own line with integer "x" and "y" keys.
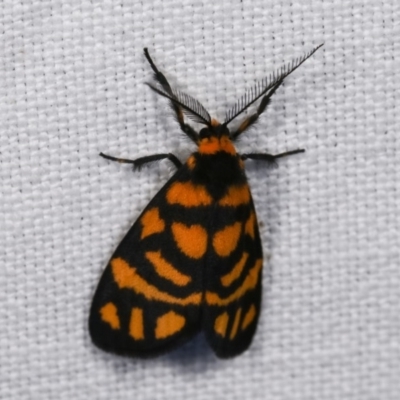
{"x": 72, "y": 76}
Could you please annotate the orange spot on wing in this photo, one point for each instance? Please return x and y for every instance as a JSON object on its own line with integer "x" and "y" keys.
{"x": 249, "y": 317}
{"x": 236, "y": 196}
{"x": 221, "y": 323}
{"x": 191, "y": 240}
{"x": 188, "y": 195}
{"x": 234, "y": 274}
{"x": 109, "y": 314}
{"x": 151, "y": 223}
{"x": 250, "y": 225}
{"x": 169, "y": 324}
{"x": 248, "y": 284}
{"x": 127, "y": 277}
{"x": 235, "y": 324}
{"x": 167, "y": 270}
{"x": 226, "y": 240}
{"x": 136, "y": 329}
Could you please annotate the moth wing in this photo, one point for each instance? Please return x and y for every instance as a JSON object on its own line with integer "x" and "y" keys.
{"x": 148, "y": 298}
{"x": 233, "y": 281}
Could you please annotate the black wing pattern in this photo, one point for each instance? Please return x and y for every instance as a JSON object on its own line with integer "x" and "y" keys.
{"x": 190, "y": 262}
{"x": 233, "y": 279}
{"x": 148, "y": 299}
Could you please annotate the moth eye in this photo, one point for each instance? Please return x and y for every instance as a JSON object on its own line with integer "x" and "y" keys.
{"x": 205, "y": 133}
{"x": 224, "y": 130}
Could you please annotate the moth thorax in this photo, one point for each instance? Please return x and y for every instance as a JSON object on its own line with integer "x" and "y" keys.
{"x": 212, "y": 145}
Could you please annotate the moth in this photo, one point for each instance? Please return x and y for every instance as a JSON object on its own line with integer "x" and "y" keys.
{"x": 193, "y": 260}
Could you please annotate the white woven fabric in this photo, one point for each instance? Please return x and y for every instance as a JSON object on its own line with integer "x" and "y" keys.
{"x": 72, "y": 74}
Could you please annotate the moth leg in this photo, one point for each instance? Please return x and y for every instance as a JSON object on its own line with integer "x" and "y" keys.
{"x": 139, "y": 162}
{"x": 251, "y": 119}
{"x": 270, "y": 159}
{"x": 162, "y": 80}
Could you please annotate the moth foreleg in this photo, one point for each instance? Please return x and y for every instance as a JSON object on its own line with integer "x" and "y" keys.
{"x": 270, "y": 158}
{"x": 139, "y": 162}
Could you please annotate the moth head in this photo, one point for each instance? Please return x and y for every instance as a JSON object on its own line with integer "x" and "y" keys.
{"x": 215, "y": 138}
{"x": 214, "y": 129}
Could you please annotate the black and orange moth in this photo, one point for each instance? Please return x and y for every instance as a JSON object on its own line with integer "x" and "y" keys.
{"x": 192, "y": 261}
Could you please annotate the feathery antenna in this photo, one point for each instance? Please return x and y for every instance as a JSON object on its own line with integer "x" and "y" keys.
{"x": 266, "y": 84}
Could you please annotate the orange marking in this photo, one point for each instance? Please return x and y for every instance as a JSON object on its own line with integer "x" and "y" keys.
{"x": 167, "y": 270}
{"x": 221, "y": 323}
{"x": 215, "y": 122}
{"x": 249, "y": 283}
{"x": 191, "y": 162}
{"x": 213, "y": 145}
{"x": 151, "y": 223}
{"x": 234, "y": 274}
{"x": 188, "y": 195}
{"x": 180, "y": 115}
{"x": 249, "y": 226}
{"x": 169, "y": 324}
{"x": 136, "y": 329}
{"x": 235, "y": 324}
{"x": 126, "y": 277}
{"x": 191, "y": 240}
{"x": 249, "y": 317}
{"x": 209, "y": 146}
{"x": 244, "y": 125}
{"x": 226, "y": 240}
{"x": 109, "y": 314}
{"x": 236, "y": 196}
